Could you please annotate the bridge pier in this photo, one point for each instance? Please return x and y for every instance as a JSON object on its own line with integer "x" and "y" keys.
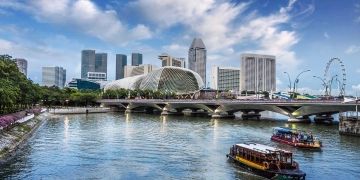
{"x": 166, "y": 111}
{"x": 128, "y": 109}
{"x": 300, "y": 119}
{"x": 324, "y": 119}
{"x": 251, "y": 115}
{"x": 195, "y": 112}
{"x": 218, "y": 114}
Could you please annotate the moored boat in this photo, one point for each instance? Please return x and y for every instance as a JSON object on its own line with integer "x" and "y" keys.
{"x": 266, "y": 161}
{"x": 296, "y": 138}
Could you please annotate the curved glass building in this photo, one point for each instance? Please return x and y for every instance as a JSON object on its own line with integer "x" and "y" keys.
{"x": 165, "y": 79}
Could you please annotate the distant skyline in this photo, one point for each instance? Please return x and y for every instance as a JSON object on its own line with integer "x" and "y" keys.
{"x": 301, "y": 34}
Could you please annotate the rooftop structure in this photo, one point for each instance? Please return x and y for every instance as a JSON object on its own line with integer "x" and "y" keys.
{"x": 168, "y": 60}
{"x": 165, "y": 79}
{"x": 261, "y": 148}
{"x": 138, "y": 70}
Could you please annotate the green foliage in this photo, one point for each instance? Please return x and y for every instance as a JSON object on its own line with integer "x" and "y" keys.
{"x": 18, "y": 93}
{"x": 137, "y": 93}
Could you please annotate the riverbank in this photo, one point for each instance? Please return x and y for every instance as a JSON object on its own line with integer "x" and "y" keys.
{"x": 80, "y": 110}
{"x": 13, "y": 137}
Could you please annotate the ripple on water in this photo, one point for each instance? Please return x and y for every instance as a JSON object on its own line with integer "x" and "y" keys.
{"x": 139, "y": 146}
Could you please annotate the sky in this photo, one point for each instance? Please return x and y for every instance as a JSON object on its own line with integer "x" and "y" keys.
{"x": 302, "y": 34}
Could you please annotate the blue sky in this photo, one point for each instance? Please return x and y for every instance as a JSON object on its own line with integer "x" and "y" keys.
{"x": 301, "y": 34}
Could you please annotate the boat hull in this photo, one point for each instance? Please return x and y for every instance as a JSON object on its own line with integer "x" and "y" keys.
{"x": 267, "y": 173}
{"x": 299, "y": 145}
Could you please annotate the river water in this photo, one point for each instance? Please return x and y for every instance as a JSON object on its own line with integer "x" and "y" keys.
{"x": 142, "y": 146}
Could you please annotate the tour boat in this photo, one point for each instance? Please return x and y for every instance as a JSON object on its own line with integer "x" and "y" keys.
{"x": 295, "y": 138}
{"x": 266, "y": 161}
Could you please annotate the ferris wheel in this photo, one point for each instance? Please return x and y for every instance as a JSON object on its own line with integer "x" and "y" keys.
{"x": 340, "y": 76}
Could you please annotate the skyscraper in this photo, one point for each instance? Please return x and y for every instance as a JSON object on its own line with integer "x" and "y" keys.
{"x": 197, "y": 58}
{"x": 121, "y": 62}
{"x": 53, "y": 76}
{"x": 136, "y": 59}
{"x": 101, "y": 62}
{"x": 225, "y": 78}
{"x": 22, "y": 65}
{"x": 167, "y": 60}
{"x": 87, "y": 62}
{"x": 258, "y": 73}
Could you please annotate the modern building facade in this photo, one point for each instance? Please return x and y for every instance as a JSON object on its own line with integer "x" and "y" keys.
{"x": 167, "y": 60}
{"x": 22, "y": 65}
{"x": 258, "y": 73}
{"x": 83, "y": 84}
{"x": 197, "y": 58}
{"x": 53, "y": 76}
{"x": 96, "y": 76}
{"x": 121, "y": 62}
{"x": 165, "y": 79}
{"x": 225, "y": 78}
{"x": 136, "y": 59}
{"x": 138, "y": 70}
{"x": 87, "y": 62}
{"x": 101, "y": 62}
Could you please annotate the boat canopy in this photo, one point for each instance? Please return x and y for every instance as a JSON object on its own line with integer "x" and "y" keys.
{"x": 261, "y": 148}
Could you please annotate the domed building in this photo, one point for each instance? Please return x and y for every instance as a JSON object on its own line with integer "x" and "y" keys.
{"x": 165, "y": 79}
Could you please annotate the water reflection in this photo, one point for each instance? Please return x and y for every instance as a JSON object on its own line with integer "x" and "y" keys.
{"x": 140, "y": 146}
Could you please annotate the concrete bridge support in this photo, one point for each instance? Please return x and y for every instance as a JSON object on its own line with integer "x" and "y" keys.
{"x": 254, "y": 114}
{"x": 218, "y": 114}
{"x": 166, "y": 111}
{"x": 299, "y": 119}
{"x": 128, "y": 109}
{"x": 324, "y": 119}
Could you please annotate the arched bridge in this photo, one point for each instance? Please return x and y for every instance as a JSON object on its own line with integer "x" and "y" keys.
{"x": 226, "y": 108}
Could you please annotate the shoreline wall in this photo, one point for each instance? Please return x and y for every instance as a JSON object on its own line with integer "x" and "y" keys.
{"x": 13, "y": 138}
{"x": 80, "y": 110}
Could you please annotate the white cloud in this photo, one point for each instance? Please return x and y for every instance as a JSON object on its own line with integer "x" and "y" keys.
{"x": 356, "y": 87}
{"x": 223, "y": 25}
{"x": 326, "y": 35}
{"x": 85, "y": 16}
{"x": 357, "y": 10}
{"x": 352, "y": 49}
{"x": 44, "y": 53}
{"x": 176, "y": 50}
{"x": 5, "y": 45}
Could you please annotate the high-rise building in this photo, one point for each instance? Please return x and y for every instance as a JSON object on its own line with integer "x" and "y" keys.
{"x": 225, "y": 78}
{"x": 87, "y": 62}
{"x": 138, "y": 70}
{"x": 167, "y": 60}
{"x": 121, "y": 62}
{"x": 101, "y": 62}
{"x": 53, "y": 76}
{"x": 197, "y": 58}
{"x": 136, "y": 59}
{"x": 22, "y": 65}
{"x": 258, "y": 73}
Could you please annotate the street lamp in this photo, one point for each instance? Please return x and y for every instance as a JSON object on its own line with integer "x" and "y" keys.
{"x": 289, "y": 80}
{"x": 324, "y": 84}
{"x": 296, "y": 81}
